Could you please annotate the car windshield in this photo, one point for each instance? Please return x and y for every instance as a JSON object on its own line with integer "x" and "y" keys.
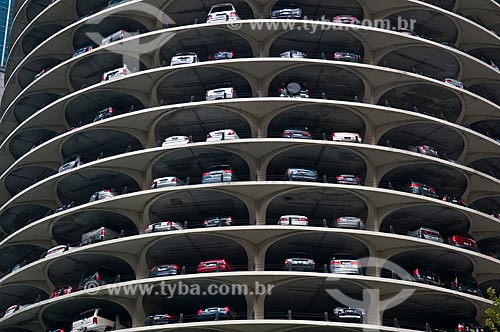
{"x": 86, "y": 314}
{"x": 219, "y": 168}
{"x": 282, "y": 6}
{"x": 222, "y": 8}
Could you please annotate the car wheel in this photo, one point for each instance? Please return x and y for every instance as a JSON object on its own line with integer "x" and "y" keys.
{"x": 108, "y": 328}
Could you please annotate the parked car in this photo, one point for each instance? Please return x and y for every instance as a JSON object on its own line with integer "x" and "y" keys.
{"x": 164, "y": 270}
{"x": 297, "y": 132}
{"x": 453, "y": 82}
{"x": 166, "y": 181}
{"x": 221, "y": 93}
{"x": 424, "y": 149}
{"x": 426, "y": 276}
{"x": 221, "y": 55}
{"x": 293, "y": 90}
{"x": 408, "y": 32}
{"x": 462, "y": 241}
{"x": 218, "y": 221}
{"x": 346, "y": 19}
{"x": 82, "y": 50}
{"x": 116, "y": 73}
{"x": 98, "y": 276}
{"x": 293, "y": 220}
{"x": 286, "y": 10}
{"x": 64, "y": 207}
{"x": 96, "y": 320}
{"x": 293, "y": 54}
{"x": 174, "y": 140}
{"x": 70, "y": 163}
{"x": 159, "y": 319}
{"x": 99, "y": 235}
{"x": 12, "y": 309}
{"x": 493, "y": 65}
{"x": 223, "y": 134}
{"x": 41, "y": 72}
{"x": 420, "y": 189}
{"x": 347, "y": 137}
{"x": 346, "y": 55}
{"x": 299, "y": 261}
{"x": 218, "y": 173}
{"x": 469, "y": 327}
{"x": 348, "y": 179}
{"x": 301, "y": 174}
{"x": 104, "y": 114}
{"x": 62, "y": 290}
{"x": 465, "y": 284}
{"x": 222, "y": 12}
{"x": 112, "y": 3}
{"x": 103, "y": 194}
{"x": 57, "y": 250}
{"x": 454, "y": 200}
{"x": 17, "y": 266}
{"x": 183, "y": 58}
{"x": 216, "y": 313}
{"x": 345, "y": 265}
{"x": 348, "y": 314}
{"x": 349, "y": 222}
{"x": 163, "y": 226}
{"x": 427, "y": 234}
{"x": 118, "y": 35}
{"x": 214, "y": 265}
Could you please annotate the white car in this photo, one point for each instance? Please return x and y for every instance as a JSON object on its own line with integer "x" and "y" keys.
{"x": 173, "y": 140}
{"x": 222, "y": 12}
{"x": 57, "y": 250}
{"x": 96, "y": 320}
{"x": 120, "y": 34}
{"x": 293, "y": 220}
{"x": 346, "y": 137}
{"x": 184, "y": 58}
{"x": 12, "y": 309}
{"x": 167, "y": 181}
{"x": 220, "y": 93}
{"x": 220, "y": 135}
{"x": 116, "y": 73}
{"x": 293, "y": 54}
{"x": 493, "y": 65}
{"x": 163, "y": 226}
{"x": 455, "y": 83}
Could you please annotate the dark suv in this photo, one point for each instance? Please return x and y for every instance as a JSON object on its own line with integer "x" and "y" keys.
{"x": 97, "y": 277}
{"x": 426, "y": 276}
{"x": 420, "y": 188}
{"x": 465, "y": 284}
{"x": 299, "y": 261}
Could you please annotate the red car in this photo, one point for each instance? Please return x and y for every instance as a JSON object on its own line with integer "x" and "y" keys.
{"x": 215, "y": 265}
{"x": 463, "y": 242}
{"x": 62, "y": 290}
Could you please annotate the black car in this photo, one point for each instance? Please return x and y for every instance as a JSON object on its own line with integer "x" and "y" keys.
{"x": 159, "y": 320}
{"x": 468, "y": 326}
{"x": 465, "y": 284}
{"x": 424, "y": 149}
{"x": 347, "y": 314}
{"x": 420, "y": 188}
{"x": 164, "y": 270}
{"x": 286, "y": 10}
{"x": 301, "y": 174}
{"x": 97, "y": 277}
{"x": 348, "y": 179}
{"x": 426, "y": 276}
{"x": 297, "y": 132}
{"x": 299, "y": 261}
{"x": 104, "y": 114}
{"x": 346, "y": 55}
{"x": 453, "y": 199}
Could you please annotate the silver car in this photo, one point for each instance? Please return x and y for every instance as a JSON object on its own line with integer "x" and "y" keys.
{"x": 99, "y": 235}
{"x": 70, "y": 163}
{"x": 455, "y": 83}
{"x": 427, "y": 233}
{"x": 103, "y": 194}
{"x": 293, "y": 54}
{"x": 345, "y": 266}
{"x": 163, "y": 226}
{"x": 349, "y": 222}
{"x": 219, "y": 173}
{"x": 172, "y": 140}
